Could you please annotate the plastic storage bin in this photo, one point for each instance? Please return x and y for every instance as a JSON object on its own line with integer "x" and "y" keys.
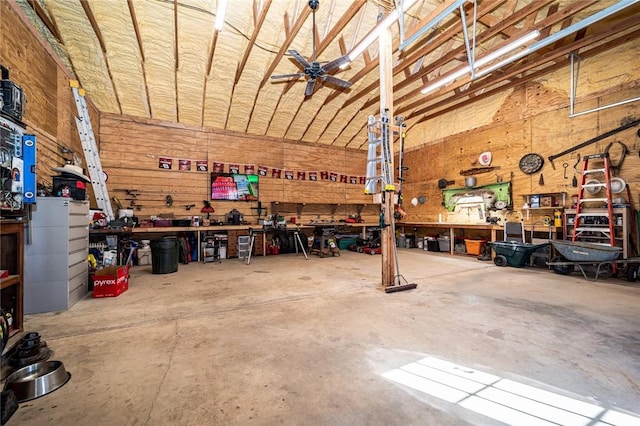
{"x": 164, "y": 255}
{"x": 431, "y": 244}
{"x": 444, "y": 244}
{"x": 474, "y": 247}
{"x": 144, "y": 256}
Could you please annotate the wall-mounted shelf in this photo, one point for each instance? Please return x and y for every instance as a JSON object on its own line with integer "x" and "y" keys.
{"x": 284, "y": 206}
{"x": 559, "y": 197}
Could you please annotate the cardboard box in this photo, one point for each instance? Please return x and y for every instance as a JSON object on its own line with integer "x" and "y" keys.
{"x": 111, "y": 281}
{"x": 547, "y": 201}
{"x": 535, "y": 201}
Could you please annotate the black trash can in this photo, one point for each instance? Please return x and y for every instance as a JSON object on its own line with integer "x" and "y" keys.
{"x": 164, "y": 255}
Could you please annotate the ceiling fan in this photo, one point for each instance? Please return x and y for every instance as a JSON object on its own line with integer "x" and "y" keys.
{"x": 315, "y": 70}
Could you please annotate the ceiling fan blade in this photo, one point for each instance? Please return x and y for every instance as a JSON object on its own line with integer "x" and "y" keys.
{"x": 298, "y": 57}
{"x": 336, "y": 81}
{"x": 336, "y": 63}
{"x": 297, "y": 75}
{"x": 310, "y": 86}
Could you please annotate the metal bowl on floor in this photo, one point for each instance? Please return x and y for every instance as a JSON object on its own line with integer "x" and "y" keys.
{"x": 36, "y": 380}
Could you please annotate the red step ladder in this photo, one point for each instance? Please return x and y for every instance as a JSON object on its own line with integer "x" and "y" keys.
{"x": 601, "y": 227}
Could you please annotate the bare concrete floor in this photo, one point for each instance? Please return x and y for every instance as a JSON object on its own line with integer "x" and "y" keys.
{"x": 290, "y": 341}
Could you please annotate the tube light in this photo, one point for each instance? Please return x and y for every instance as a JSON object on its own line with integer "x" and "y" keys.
{"x": 222, "y": 7}
{"x": 383, "y": 25}
{"x": 445, "y": 80}
{"x": 506, "y": 49}
{"x": 598, "y": 16}
{"x": 483, "y": 61}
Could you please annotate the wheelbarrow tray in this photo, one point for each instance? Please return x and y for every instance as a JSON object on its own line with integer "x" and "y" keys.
{"x": 578, "y": 251}
{"x": 516, "y": 252}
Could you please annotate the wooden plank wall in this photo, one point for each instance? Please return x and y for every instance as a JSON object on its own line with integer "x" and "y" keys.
{"x": 534, "y": 119}
{"x": 131, "y": 147}
{"x": 50, "y": 108}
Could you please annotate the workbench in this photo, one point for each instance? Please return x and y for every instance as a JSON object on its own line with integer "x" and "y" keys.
{"x": 233, "y": 231}
{"x": 494, "y": 230}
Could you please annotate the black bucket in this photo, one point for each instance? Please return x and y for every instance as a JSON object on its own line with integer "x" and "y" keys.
{"x": 164, "y": 255}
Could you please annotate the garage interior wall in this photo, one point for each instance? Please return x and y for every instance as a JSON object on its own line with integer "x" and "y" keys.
{"x": 130, "y": 149}
{"x": 50, "y": 109}
{"x": 530, "y": 118}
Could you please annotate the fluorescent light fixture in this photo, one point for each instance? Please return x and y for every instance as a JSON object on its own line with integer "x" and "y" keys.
{"x": 598, "y": 16}
{"x": 222, "y": 7}
{"x": 506, "y": 49}
{"x": 453, "y": 6}
{"x": 445, "y": 80}
{"x": 383, "y": 25}
{"x": 483, "y": 61}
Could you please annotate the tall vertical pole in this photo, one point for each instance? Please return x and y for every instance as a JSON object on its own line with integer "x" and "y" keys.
{"x": 387, "y": 238}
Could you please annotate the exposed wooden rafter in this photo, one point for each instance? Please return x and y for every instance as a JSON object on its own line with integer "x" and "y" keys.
{"x": 98, "y": 34}
{"x": 291, "y": 33}
{"x": 551, "y": 20}
{"x": 136, "y": 28}
{"x": 49, "y": 23}
{"x": 521, "y": 69}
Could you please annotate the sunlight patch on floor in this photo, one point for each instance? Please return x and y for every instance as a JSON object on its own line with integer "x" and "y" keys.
{"x": 502, "y": 399}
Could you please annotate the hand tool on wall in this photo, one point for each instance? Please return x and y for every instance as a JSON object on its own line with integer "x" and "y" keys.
{"x": 605, "y": 135}
{"x": 478, "y": 170}
{"x": 615, "y": 167}
{"x": 564, "y": 166}
{"x": 117, "y": 201}
{"x": 574, "y": 181}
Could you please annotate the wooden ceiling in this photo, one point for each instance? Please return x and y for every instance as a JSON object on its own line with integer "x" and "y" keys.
{"x": 163, "y": 59}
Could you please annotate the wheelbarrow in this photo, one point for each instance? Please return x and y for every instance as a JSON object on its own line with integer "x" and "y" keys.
{"x": 580, "y": 254}
{"x": 513, "y": 253}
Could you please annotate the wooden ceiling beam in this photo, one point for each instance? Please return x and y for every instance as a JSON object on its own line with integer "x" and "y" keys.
{"x": 258, "y": 20}
{"x": 537, "y": 74}
{"x": 49, "y": 23}
{"x": 372, "y": 64}
{"x": 544, "y": 33}
{"x": 176, "y": 61}
{"x": 285, "y": 45}
{"x": 513, "y": 72}
{"x": 419, "y": 53}
{"x": 321, "y": 46}
{"x": 136, "y": 29}
{"x": 547, "y": 22}
{"x": 96, "y": 30}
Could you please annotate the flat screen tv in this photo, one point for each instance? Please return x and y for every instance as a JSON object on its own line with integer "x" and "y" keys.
{"x": 234, "y": 187}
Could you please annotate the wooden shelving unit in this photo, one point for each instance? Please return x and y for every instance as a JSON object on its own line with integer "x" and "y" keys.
{"x": 621, "y": 227}
{"x": 12, "y": 259}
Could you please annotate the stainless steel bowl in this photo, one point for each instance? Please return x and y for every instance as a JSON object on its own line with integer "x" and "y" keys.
{"x": 36, "y": 380}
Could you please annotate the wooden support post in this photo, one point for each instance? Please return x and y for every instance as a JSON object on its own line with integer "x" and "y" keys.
{"x": 387, "y": 237}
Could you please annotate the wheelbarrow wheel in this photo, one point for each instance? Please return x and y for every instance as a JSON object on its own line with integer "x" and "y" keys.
{"x": 633, "y": 270}
{"x": 500, "y": 260}
{"x": 561, "y": 269}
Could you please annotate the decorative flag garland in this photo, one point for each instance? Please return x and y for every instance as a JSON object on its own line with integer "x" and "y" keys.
{"x": 184, "y": 165}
